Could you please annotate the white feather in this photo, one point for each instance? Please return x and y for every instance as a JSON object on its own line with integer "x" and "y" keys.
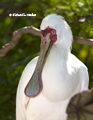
{"x": 63, "y": 76}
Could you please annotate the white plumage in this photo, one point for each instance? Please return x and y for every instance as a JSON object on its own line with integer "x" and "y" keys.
{"x": 63, "y": 76}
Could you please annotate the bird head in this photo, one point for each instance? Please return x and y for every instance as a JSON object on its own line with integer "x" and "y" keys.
{"x": 54, "y": 30}
{"x": 61, "y": 28}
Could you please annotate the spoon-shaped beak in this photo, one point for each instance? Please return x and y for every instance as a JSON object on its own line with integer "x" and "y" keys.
{"x": 34, "y": 86}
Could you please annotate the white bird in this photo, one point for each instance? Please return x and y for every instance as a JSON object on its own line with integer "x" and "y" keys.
{"x": 50, "y": 80}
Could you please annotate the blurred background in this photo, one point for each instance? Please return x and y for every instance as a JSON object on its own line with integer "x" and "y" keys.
{"x": 78, "y": 14}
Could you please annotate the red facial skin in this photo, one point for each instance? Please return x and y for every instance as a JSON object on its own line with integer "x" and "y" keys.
{"x": 53, "y": 35}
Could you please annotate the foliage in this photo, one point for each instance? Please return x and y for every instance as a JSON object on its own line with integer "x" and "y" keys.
{"x": 78, "y": 13}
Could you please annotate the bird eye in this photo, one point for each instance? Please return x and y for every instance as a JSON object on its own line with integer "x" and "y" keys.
{"x": 53, "y": 32}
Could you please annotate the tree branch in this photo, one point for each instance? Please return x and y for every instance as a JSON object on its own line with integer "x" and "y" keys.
{"x": 30, "y": 29}
{"x": 82, "y": 40}
{"x": 16, "y": 36}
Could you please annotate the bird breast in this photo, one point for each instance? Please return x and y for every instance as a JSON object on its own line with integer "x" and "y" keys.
{"x": 58, "y": 83}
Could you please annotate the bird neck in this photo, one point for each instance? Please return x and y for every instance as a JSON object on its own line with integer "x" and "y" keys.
{"x": 60, "y": 51}
{"x": 57, "y": 58}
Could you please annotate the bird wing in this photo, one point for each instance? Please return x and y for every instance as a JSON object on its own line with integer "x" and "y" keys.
{"x": 83, "y": 72}
{"x": 22, "y": 101}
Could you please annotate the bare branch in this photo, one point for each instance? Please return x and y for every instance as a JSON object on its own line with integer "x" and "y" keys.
{"x": 30, "y": 29}
{"x": 81, "y": 40}
{"x": 16, "y": 36}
